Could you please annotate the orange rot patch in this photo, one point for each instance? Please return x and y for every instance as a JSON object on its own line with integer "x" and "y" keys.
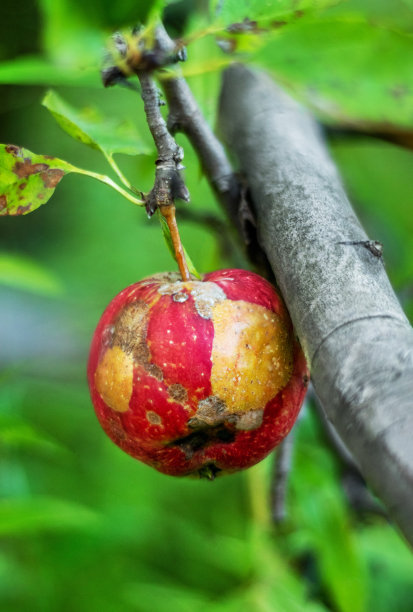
{"x": 114, "y": 379}
{"x": 252, "y": 359}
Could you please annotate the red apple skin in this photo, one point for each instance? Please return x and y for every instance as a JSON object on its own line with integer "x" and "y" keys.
{"x": 198, "y": 377}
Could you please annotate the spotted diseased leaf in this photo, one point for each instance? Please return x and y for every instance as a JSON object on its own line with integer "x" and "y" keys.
{"x": 350, "y": 71}
{"x": 27, "y": 180}
{"x": 249, "y": 15}
{"x": 90, "y": 128}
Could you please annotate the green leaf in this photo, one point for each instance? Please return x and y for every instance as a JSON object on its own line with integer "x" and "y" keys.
{"x": 264, "y": 12}
{"x": 24, "y": 273}
{"x": 391, "y": 569}
{"x": 16, "y": 434}
{"x": 349, "y": 70}
{"x": 36, "y": 514}
{"x": 27, "y": 180}
{"x": 36, "y": 70}
{"x": 88, "y": 127}
{"x": 168, "y": 240}
{"x": 324, "y": 527}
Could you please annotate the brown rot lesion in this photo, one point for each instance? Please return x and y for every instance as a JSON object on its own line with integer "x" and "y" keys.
{"x": 178, "y": 393}
{"x": 213, "y": 412}
{"x": 202, "y": 438}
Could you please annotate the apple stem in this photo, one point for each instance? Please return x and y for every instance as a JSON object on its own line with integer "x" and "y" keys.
{"x": 168, "y": 212}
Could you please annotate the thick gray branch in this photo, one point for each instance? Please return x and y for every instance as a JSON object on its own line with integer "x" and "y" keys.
{"x": 357, "y": 340}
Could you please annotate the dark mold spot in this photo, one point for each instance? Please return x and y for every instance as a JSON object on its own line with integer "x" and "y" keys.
{"x": 306, "y": 380}
{"x": 203, "y": 438}
{"x": 178, "y": 392}
{"x": 225, "y": 435}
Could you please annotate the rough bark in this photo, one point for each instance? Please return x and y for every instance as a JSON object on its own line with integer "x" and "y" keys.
{"x": 357, "y": 339}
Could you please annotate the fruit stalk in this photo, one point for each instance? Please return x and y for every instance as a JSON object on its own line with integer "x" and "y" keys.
{"x": 168, "y": 212}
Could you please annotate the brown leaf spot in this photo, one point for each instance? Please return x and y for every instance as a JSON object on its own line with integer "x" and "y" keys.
{"x": 26, "y": 168}
{"x": 23, "y": 209}
{"x": 52, "y": 177}
{"x": 3, "y": 202}
{"x": 278, "y": 24}
{"x": 13, "y": 150}
{"x": 247, "y": 25}
{"x": 178, "y": 392}
{"x": 22, "y": 186}
{"x": 153, "y": 417}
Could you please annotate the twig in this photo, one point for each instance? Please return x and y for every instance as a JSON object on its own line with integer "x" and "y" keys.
{"x": 279, "y": 484}
{"x": 185, "y": 116}
{"x": 168, "y": 181}
{"x": 354, "y": 485}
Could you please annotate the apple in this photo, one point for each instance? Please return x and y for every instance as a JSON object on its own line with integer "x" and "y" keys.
{"x": 197, "y": 377}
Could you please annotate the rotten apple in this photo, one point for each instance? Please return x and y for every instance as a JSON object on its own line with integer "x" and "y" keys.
{"x": 197, "y": 377}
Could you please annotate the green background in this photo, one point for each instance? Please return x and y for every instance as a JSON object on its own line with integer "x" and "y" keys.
{"x": 83, "y": 526}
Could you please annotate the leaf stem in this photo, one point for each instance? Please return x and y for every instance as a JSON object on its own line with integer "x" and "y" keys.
{"x": 168, "y": 212}
{"x": 108, "y": 181}
{"x": 119, "y": 172}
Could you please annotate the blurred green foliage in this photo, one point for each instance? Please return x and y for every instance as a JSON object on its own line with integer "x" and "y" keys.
{"x": 83, "y": 526}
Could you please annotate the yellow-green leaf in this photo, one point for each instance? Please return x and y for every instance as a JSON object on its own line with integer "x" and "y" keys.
{"x": 27, "y": 180}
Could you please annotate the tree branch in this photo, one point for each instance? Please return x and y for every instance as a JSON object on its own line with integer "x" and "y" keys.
{"x": 168, "y": 181}
{"x": 357, "y": 340}
{"x": 185, "y": 116}
{"x": 279, "y": 483}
